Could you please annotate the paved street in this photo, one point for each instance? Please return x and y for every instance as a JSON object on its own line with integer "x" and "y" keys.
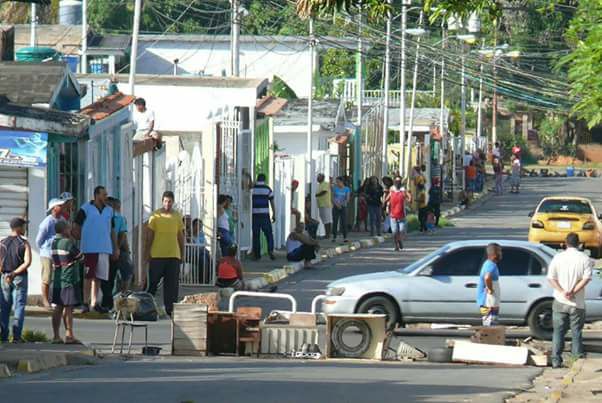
{"x": 167, "y": 379}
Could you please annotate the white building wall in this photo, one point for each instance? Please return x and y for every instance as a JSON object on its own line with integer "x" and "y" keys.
{"x": 289, "y": 61}
{"x": 36, "y": 214}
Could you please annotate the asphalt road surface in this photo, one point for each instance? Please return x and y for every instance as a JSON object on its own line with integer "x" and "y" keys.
{"x": 167, "y": 379}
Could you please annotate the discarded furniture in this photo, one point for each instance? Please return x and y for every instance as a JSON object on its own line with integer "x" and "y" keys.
{"x": 125, "y": 308}
{"x": 287, "y": 334}
{"x": 466, "y": 351}
{"x": 355, "y": 336}
{"x": 489, "y": 335}
{"x": 189, "y": 329}
{"x": 222, "y": 329}
{"x": 248, "y": 334}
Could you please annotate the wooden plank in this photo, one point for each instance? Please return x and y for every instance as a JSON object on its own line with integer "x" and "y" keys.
{"x": 302, "y": 319}
{"x": 465, "y": 351}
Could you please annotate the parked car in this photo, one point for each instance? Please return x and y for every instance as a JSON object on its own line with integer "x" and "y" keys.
{"x": 441, "y": 288}
{"x": 555, "y": 217}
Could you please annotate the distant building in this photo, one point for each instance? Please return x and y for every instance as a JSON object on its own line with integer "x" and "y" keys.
{"x": 209, "y": 55}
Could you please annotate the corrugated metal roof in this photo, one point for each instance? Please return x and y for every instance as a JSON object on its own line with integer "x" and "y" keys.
{"x": 107, "y": 106}
{"x": 325, "y": 42}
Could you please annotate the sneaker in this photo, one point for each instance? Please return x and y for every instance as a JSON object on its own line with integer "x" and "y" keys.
{"x": 85, "y": 308}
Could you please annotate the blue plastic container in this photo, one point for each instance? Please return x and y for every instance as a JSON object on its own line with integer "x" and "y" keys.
{"x": 570, "y": 171}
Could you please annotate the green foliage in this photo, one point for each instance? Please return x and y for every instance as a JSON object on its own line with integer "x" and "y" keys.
{"x": 508, "y": 140}
{"x": 375, "y": 9}
{"x": 585, "y": 61}
{"x": 550, "y": 137}
{"x": 462, "y": 8}
{"x": 282, "y": 90}
{"x": 34, "y": 336}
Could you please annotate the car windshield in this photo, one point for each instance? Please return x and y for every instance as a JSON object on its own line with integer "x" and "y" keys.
{"x": 565, "y": 206}
{"x": 420, "y": 262}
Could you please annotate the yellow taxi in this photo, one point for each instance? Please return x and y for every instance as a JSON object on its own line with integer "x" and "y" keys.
{"x": 555, "y": 217}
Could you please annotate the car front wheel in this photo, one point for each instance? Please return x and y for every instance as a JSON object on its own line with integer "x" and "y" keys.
{"x": 381, "y": 305}
{"x": 540, "y": 320}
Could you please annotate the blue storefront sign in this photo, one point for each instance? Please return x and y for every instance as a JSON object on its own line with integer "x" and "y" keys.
{"x": 23, "y": 149}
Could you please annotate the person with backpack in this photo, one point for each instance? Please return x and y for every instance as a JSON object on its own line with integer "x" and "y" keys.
{"x": 435, "y": 197}
{"x": 15, "y": 259}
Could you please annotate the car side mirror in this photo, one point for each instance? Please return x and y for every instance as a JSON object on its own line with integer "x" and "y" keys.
{"x": 531, "y": 214}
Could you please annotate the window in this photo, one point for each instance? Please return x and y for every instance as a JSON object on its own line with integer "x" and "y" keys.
{"x": 536, "y": 268}
{"x": 464, "y": 262}
{"x": 565, "y": 206}
{"x": 515, "y": 262}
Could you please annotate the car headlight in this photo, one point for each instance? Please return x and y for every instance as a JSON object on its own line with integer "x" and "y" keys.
{"x": 335, "y": 291}
{"x": 536, "y": 224}
{"x": 589, "y": 225}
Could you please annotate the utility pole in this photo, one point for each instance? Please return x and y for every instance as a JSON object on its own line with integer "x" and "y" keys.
{"x": 235, "y": 43}
{"x": 357, "y": 144}
{"x": 134, "y": 52}
{"x": 412, "y": 109}
{"x": 402, "y": 88}
{"x": 387, "y": 78}
{"x": 84, "y": 59}
{"x": 480, "y": 107}
{"x": 494, "y": 106}
{"x": 463, "y": 102}
{"x": 309, "y": 157}
{"x": 442, "y": 123}
{"x": 32, "y": 38}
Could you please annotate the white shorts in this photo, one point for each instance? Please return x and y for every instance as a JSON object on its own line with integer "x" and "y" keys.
{"x": 102, "y": 269}
{"x": 326, "y": 215}
{"x": 398, "y": 226}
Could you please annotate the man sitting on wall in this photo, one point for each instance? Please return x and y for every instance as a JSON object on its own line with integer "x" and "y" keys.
{"x": 144, "y": 120}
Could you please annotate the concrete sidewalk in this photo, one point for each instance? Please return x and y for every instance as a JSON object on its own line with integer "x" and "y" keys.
{"x": 36, "y": 357}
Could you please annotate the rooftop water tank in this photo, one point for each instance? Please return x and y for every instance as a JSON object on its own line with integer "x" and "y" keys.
{"x": 70, "y": 12}
{"x": 36, "y": 54}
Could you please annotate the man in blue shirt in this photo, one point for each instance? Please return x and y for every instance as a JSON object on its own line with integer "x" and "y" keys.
{"x": 44, "y": 240}
{"x": 341, "y": 195}
{"x": 488, "y": 290}
{"x": 263, "y": 199}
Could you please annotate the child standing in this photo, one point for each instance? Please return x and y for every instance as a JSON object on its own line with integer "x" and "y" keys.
{"x": 431, "y": 222}
{"x": 66, "y": 282}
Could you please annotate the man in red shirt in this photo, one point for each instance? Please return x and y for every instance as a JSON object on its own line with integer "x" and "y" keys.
{"x": 398, "y": 196}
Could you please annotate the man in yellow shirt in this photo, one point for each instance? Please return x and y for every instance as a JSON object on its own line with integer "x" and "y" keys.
{"x": 324, "y": 200}
{"x": 165, "y": 246}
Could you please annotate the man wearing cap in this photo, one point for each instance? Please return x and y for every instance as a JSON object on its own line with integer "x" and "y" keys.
{"x": 44, "y": 240}
{"x": 67, "y": 209}
{"x": 15, "y": 259}
{"x": 95, "y": 227}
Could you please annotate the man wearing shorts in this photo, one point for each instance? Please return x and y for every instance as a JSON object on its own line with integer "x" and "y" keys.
{"x": 44, "y": 242}
{"x": 398, "y": 196}
{"x": 94, "y": 226}
{"x": 324, "y": 200}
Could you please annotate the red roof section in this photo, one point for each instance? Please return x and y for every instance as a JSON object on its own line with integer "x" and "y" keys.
{"x": 270, "y": 105}
{"x": 108, "y": 105}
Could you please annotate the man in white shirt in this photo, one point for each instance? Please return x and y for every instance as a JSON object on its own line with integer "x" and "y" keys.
{"x": 568, "y": 274}
{"x": 144, "y": 120}
{"x": 497, "y": 152}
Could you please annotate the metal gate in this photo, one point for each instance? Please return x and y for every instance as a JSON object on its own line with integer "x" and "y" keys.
{"x": 283, "y": 176}
{"x": 208, "y": 168}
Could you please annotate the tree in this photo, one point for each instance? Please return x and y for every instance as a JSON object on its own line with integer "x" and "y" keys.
{"x": 585, "y": 61}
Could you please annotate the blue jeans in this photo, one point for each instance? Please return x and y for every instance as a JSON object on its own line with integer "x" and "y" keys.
{"x": 262, "y": 223}
{"x": 563, "y": 316}
{"x": 374, "y": 216}
{"x": 13, "y": 295}
{"x": 225, "y": 240}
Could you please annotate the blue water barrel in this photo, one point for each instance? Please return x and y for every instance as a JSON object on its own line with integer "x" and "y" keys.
{"x": 72, "y": 62}
{"x": 570, "y": 171}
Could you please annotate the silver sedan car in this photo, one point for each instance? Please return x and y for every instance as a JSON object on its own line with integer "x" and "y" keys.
{"x": 441, "y": 288}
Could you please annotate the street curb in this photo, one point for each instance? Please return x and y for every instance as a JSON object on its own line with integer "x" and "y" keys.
{"x": 557, "y": 394}
{"x": 478, "y": 200}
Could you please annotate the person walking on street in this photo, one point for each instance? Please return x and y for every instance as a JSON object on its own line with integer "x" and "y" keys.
{"x": 515, "y": 178}
{"x": 499, "y": 175}
{"x": 44, "y": 243}
{"x": 223, "y": 224}
{"x": 300, "y": 246}
{"x": 398, "y": 197}
{"x": 15, "y": 259}
{"x": 263, "y": 199}
{"x": 165, "y": 243}
{"x": 422, "y": 204}
{"x": 435, "y": 197}
{"x": 94, "y": 227}
{"x": 488, "y": 289}
{"x": 324, "y": 199}
{"x": 374, "y": 195}
{"x": 387, "y": 183}
{"x": 569, "y": 273}
{"x": 341, "y": 195}
{"x": 66, "y": 259}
